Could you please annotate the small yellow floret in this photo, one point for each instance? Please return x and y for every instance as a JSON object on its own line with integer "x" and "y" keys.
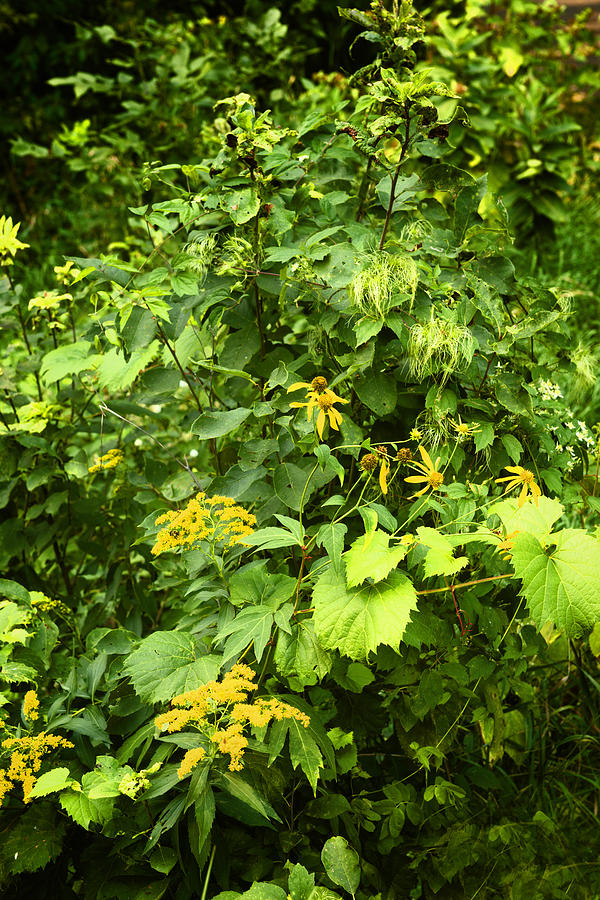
{"x": 30, "y": 706}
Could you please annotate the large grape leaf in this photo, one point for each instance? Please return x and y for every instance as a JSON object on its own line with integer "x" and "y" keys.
{"x": 440, "y": 559}
{"x": 300, "y": 656}
{"x": 560, "y": 583}
{"x": 168, "y": 663}
{"x": 356, "y": 620}
{"x": 371, "y": 556}
{"x": 535, "y": 519}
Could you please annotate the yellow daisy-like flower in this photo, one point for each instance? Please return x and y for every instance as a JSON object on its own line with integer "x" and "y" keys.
{"x": 415, "y": 434}
{"x": 464, "y": 431}
{"x": 524, "y": 478}
{"x": 430, "y": 475}
{"x": 318, "y": 395}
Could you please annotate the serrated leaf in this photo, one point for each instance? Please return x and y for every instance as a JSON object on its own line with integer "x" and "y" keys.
{"x": 241, "y": 205}
{"x": 560, "y": 583}
{"x": 49, "y": 782}
{"x": 252, "y": 625}
{"x": 252, "y": 584}
{"x": 372, "y": 557}
{"x": 115, "y": 373}
{"x": 356, "y": 620}
{"x": 341, "y": 863}
{"x": 440, "y": 559}
{"x": 271, "y": 538}
{"x": 299, "y": 655}
{"x": 331, "y": 536}
{"x": 33, "y": 839}
{"x": 237, "y": 787}
{"x": 83, "y": 810}
{"x": 534, "y": 519}
{"x": 68, "y": 360}
{"x": 168, "y": 663}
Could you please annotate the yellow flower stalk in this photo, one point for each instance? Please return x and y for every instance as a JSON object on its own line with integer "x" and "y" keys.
{"x": 30, "y": 706}
{"x": 221, "y": 711}
{"x": 521, "y": 478}
{"x": 107, "y": 461}
{"x": 26, "y": 760}
{"x": 214, "y": 519}
{"x": 430, "y": 476}
{"x": 318, "y": 395}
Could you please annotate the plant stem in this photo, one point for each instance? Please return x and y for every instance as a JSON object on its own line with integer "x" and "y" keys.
{"x": 464, "y": 584}
{"x": 395, "y": 176}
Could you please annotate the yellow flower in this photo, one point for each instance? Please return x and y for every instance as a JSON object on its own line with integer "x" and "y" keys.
{"x": 431, "y": 477}
{"x": 505, "y": 546}
{"x": 30, "y": 706}
{"x": 190, "y": 760}
{"x": 216, "y": 519}
{"x": 319, "y": 395}
{"x": 9, "y": 243}
{"x": 522, "y": 477}
{"x": 463, "y": 430}
{"x": 415, "y": 434}
{"x": 108, "y": 461}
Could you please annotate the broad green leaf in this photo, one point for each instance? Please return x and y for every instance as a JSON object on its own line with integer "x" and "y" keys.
{"x": 241, "y": 205}
{"x": 341, "y": 863}
{"x": 534, "y": 519}
{"x": 304, "y": 747}
{"x": 356, "y": 620}
{"x": 67, "y": 360}
{"x": 301, "y": 883}
{"x": 560, "y": 582}
{"x": 377, "y": 391}
{"x": 440, "y": 559}
{"x": 371, "y": 556}
{"x": 299, "y": 655}
{"x": 513, "y": 447}
{"x": 11, "y": 616}
{"x": 32, "y": 840}
{"x": 271, "y": 538}
{"x": 216, "y": 424}
{"x": 83, "y": 810}
{"x": 252, "y": 625}
{"x": 168, "y": 663}
{"x": 115, "y": 373}
{"x": 252, "y": 584}
{"x": 49, "y": 782}
{"x": 14, "y": 591}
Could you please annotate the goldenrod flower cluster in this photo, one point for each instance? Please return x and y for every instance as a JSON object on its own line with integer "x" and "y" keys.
{"x": 31, "y": 706}
{"x": 214, "y": 519}
{"x": 221, "y": 711}
{"x": 26, "y": 760}
{"x": 108, "y": 461}
{"x": 43, "y": 603}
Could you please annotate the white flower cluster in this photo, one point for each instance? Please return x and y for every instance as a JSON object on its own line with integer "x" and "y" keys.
{"x": 584, "y": 435}
{"x": 548, "y": 390}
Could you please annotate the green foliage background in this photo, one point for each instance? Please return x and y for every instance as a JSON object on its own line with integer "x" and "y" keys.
{"x": 216, "y": 207}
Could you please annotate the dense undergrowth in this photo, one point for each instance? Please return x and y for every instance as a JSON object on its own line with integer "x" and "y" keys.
{"x": 300, "y": 452}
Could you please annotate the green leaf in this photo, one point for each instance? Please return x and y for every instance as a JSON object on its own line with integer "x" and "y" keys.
{"x": 238, "y": 788}
{"x": 513, "y": 447}
{"x": 168, "y": 663}
{"x": 440, "y": 559}
{"x": 139, "y": 329}
{"x": 116, "y": 373}
{"x": 560, "y": 582}
{"x": 484, "y": 437}
{"x": 34, "y": 838}
{"x": 378, "y": 392}
{"x": 271, "y": 538}
{"x": 300, "y": 656}
{"x": 83, "y": 810}
{"x": 252, "y": 584}
{"x": 535, "y": 519}
{"x": 49, "y": 782}
{"x": 216, "y": 424}
{"x": 341, "y": 863}
{"x": 252, "y": 625}
{"x": 331, "y": 536}
{"x": 356, "y": 620}
{"x": 371, "y": 556}
{"x": 241, "y": 205}
{"x": 301, "y": 883}
{"x": 68, "y": 360}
